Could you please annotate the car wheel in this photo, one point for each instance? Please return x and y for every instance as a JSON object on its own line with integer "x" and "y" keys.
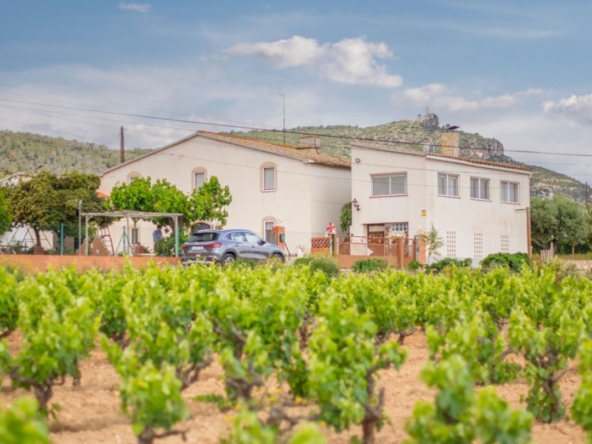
{"x": 277, "y": 258}
{"x": 228, "y": 258}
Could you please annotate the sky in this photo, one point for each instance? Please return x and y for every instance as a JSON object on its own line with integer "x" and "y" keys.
{"x": 518, "y": 71}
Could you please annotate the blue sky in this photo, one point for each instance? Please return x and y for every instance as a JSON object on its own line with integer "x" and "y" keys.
{"x": 517, "y": 71}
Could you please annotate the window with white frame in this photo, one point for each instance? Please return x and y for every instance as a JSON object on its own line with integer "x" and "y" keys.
{"x": 447, "y": 185}
{"x": 479, "y": 188}
{"x": 199, "y": 179}
{"x": 389, "y": 185}
{"x": 269, "y": 179}
{"x": 509, "y": 192}
{"x": 400, "y": 226}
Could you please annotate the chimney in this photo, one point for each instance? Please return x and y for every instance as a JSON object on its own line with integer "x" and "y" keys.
{"x": 450, "y": 143}
{"x": 309, "y": 144}
{"x": 427, "y": 110}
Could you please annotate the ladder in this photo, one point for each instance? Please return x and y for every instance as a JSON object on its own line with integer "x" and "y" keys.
{"x": 105, "y": 237}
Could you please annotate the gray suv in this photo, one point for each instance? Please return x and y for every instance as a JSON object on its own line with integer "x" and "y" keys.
{"x": 224, "y": 246}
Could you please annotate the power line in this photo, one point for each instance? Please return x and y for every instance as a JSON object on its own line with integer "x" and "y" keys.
{"x": 254, "y": 128}
{"x": 54, "y": 131}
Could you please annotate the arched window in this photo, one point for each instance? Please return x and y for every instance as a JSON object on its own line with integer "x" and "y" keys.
{"x": 199, "y": 176}
{"x": 268, "y": 223}
{"x": 268, "y": 177}
{"x": 133, "y": 176}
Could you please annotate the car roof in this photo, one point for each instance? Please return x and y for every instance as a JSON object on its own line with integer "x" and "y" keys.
{"x": 226, "y": 230}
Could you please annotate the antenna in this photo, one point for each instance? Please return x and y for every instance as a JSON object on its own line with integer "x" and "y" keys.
{"x": 283, "y": 96}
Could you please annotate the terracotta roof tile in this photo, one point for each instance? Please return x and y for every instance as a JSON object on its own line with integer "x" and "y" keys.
{"x": 324, "y": 159}
{"x": 482, "y": 162}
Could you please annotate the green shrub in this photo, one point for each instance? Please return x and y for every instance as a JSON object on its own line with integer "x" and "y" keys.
{"x": 327, "y": 264}
{"x": 414, "y": 266}
{"x": 166, "y": 245}
{"x": 449, "y": 262}
{"x": 369, "y": 265}
{"x": 513, "y": 261}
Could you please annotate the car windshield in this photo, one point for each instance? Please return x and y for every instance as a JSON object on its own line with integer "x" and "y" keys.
{"x": 203, "y": 237}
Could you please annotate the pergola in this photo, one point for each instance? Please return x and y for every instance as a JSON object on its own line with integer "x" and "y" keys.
{"x": 132, "y": 215}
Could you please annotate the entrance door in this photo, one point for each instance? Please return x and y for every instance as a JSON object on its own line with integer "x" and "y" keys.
{"x": 376, "y": 239}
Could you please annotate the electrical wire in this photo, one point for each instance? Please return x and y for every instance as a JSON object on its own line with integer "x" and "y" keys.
{"x": 255, "y": 128}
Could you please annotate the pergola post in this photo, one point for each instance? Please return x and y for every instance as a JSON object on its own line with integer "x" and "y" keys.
{"x": 176, "y": 236}
{"x": 86, "y": 234}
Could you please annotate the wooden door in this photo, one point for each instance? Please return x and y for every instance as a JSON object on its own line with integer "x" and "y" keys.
{"x": 376, "y": 239}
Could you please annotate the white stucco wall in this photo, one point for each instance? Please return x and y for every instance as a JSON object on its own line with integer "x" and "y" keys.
{"x": 461, "y": 215}
{"x": 298, "y": 185}
{"x": 330, "y": 189}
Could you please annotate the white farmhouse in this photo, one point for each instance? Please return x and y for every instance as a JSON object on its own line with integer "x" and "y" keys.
{"x": 478, "y": 207}
{"x": 297, "y": 187}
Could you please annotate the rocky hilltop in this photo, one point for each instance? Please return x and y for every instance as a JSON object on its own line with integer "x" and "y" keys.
{"x": 425, "y": 133}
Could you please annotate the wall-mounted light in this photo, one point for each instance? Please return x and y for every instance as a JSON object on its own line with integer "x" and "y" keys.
{"x": 358, "y": 160}
{"x": 355, "y": 204}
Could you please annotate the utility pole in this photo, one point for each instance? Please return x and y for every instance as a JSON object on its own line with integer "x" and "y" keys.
{"x": 586, "y": 194}
{"x": 283, "y": 96}
{"x": 122, "y": 145}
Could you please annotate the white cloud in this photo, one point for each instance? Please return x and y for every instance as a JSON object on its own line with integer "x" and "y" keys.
{"x": 137, "y": 7}
{"x": 576, "y": 109}
{"x": 445, "y": 97}
{"x": 351, "y": 61}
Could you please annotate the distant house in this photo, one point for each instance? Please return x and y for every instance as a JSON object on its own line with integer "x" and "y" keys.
{"x": 478, "y": 207}
{"x": 297, "y": 187}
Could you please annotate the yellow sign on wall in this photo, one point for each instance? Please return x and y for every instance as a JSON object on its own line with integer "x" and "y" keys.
{"x": 423, "y": 212}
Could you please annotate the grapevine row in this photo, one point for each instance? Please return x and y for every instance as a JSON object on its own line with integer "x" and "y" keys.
{"x": 300, "y": 348}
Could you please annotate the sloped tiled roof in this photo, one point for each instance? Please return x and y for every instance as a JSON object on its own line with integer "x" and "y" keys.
{"x": 324, "y": 159}
{"x": 482, "y": 162}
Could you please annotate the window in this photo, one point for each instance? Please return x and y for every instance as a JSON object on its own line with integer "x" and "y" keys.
{"x": 478, "y": 245}
{"x": 135, "y": 236}
{"x": 447, "y": 185}
{"x": 133, "y": 177}
{"x": 399, "y": 227}
{"x": 451, "y": 244}
{"x": 203, "y": 237}
{"x": 252, "y": 238}
{"x": 509, "y": 192}
{"x": 479, "y": 188}
{"x": 267, "y": 227}
{"x": 505, "y": 244}
{"x": 269, "y": 179}
{"x": 391, "y": 185}
{"x": 198, "y": 179}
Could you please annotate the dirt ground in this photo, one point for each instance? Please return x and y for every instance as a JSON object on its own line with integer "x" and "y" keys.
{"x": 91, "y": 413}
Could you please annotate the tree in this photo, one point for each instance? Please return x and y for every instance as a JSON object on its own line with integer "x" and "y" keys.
{"x": 345, "y": 220}
{"x": 433, "y": 242}
{"x": 207, "y": 203}
{"x": 559, "y": 220}
{"x": 5, "y": 212}
{"x": 46, "y": 200}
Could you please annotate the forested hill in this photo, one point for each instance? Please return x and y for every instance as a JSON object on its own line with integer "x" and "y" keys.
{"x": 426, "y": 130}
{"x": 27, "y": 151}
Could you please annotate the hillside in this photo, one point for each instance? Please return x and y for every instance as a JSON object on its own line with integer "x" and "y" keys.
{"x": 422, "y": 131}
{"x": 26, "y": 151}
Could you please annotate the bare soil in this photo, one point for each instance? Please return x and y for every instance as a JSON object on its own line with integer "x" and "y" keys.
{"x": 91, "y": 413}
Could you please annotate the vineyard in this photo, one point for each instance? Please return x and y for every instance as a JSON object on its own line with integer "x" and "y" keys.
{"x": 282, "y": 354}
